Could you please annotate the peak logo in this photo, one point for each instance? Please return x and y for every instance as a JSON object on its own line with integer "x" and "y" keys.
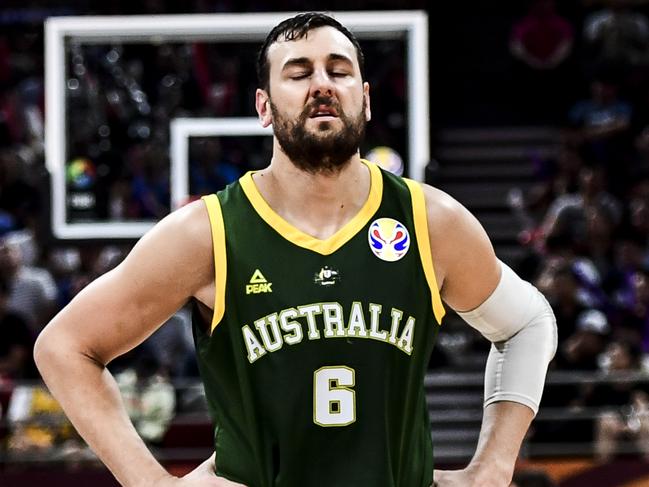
{"x": 258, "y": 284}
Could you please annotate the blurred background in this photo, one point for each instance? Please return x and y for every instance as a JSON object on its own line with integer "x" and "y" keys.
{"x": 539, "y": 124}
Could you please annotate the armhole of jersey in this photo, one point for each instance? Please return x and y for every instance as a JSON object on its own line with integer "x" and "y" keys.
{"x": 423, "y": 242}
{"x": 220, "y": 260}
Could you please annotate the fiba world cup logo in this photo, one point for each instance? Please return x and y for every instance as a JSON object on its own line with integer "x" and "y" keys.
{"x": 388, "y": 239}
{"x": 81, "y": 174}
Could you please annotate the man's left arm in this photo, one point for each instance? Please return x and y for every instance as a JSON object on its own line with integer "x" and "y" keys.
{"x": 510, "y": 313}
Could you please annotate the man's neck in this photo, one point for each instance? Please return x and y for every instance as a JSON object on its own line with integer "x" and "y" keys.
{"x": 318, "y": 204}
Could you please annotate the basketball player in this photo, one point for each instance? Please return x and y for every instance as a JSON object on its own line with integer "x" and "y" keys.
{"x": 318, "y": 285}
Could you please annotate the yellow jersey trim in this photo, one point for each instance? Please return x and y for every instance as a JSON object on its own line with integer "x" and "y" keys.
{"x": 220, "y": 259}
{"x": 423, "y": 242}
{"x": 304, "y": 240}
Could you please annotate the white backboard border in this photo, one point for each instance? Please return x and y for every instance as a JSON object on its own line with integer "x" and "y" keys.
{"x": 412, "y": 25}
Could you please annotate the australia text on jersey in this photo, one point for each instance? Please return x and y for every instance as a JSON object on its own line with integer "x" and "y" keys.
{"x": 285, "y": 327}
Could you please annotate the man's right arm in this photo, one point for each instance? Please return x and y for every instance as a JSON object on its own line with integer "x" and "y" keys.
{"x": 112, "y": 315}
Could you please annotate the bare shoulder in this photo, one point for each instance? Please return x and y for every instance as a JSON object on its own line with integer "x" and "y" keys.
{"x": 191, "y": 222}
{"x": 441, "y": 207}
{"x": 173, "y": 261}
{"x": 184, "y": 231}
{"x": 178, "y": 247}
{"x": 449, "y": 222}
{"x": 465, "y": 262}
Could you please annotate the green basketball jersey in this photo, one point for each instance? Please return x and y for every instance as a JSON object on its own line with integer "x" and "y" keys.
{"x": 314, "y": 366}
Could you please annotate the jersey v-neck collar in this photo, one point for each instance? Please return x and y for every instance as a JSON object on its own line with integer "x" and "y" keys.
{"x": 298, "y": 237}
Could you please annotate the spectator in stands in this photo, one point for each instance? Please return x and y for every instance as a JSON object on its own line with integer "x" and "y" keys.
{"x": 33, "y": 290}
{"x": 567, "y": 216}
{"x": 64, "y": 264}
{"x": 542, "y": 41}
{"x": 626, "y": 401}
{"x": 148, "y": 396}
{"x": 16, "y": 342}
{"x": 556, "y": 176}
{"x": 173, "y": 344}
{"x": 632, "y": 319}
{"x": 638, "y": 213}
{"x": 600, "y": 232}
{"x": 581, "y": 350}
{"x": 39, "y": 429}
{"x": 604, "y": 113}
{"x": 601, "y": 124}
{"x": 617, "y": 36}
{"x": 630, "y": 256}
{"x": 565, "y": 169}
{"x": 559, "y": 283}
{"x": 530, "y": 206}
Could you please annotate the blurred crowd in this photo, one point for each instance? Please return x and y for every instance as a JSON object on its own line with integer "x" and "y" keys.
{"x": 585, "y": 223}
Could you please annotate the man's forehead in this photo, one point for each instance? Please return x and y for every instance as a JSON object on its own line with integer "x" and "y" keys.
{"x": 318, "y": 42}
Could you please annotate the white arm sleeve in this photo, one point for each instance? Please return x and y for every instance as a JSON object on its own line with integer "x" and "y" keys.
{"x": 520, "y": 323}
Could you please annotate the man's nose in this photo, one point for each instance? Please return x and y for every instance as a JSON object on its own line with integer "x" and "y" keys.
{"x": 321, "y": 84}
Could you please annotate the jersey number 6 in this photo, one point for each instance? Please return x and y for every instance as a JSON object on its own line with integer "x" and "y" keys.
{"x": 334, "y": 402}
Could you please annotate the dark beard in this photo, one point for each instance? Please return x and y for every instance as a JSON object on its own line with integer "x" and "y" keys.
{"x": 326, "y": 152}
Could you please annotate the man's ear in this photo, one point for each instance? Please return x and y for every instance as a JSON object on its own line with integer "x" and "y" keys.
{"x": 366, "y": 96}
{"x": 262, "y": 104}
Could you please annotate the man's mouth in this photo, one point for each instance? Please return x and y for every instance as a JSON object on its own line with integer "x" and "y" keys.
{"x": 323, "y": 111}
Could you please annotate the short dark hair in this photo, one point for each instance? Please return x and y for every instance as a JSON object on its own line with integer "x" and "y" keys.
{"x": 296, "y": 28}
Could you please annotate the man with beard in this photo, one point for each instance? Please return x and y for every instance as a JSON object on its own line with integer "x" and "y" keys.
{"x": 316, "y": 304}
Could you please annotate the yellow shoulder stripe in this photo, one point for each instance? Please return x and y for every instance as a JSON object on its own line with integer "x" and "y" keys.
{"x": 220, "y": 260}
{"x": 423, "y": 242}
